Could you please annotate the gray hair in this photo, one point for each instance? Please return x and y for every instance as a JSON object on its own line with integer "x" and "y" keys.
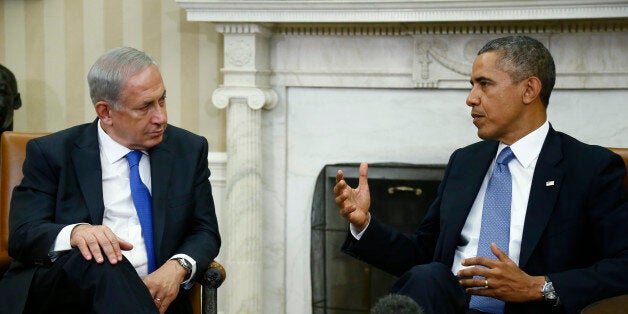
{"x": 108, "y": 75}
{"x": 523, "y": 57}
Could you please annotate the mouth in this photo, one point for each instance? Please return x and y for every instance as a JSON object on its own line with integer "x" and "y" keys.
{"x": 476, "y": 117}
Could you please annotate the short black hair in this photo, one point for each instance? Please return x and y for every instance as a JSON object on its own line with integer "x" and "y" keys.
{"x": 523, "y": 57}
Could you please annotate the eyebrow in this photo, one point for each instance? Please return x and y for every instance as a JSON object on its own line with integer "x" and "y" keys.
{"x": 479, "y": 78}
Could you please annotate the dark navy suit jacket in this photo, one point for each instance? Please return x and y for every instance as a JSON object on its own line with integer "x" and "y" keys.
{"x": 575, "y": 230}
{"x": 63, "y": 185}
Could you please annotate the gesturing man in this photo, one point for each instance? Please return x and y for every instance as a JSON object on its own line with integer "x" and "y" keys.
{"x": 530, "y": 220}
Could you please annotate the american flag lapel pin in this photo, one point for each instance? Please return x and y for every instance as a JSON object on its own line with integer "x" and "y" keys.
{"x": 549, "y": 183}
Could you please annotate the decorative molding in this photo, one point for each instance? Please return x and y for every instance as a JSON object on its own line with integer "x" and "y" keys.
{"x": 218, "y": 165}
{"x": 458, "y": 28}
{"x": 372, "y": 11}
{"x": 256, "y": 98}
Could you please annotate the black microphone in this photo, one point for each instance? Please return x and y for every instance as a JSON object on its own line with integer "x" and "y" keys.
{"x": 396, "y": 304}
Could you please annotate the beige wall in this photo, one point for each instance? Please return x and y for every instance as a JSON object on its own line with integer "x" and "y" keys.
{"x": 51, "y": 44}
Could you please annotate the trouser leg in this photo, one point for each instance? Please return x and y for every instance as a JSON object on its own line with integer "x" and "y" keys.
{"x": 75, "y": 285}
{"x": 434, "y": 287}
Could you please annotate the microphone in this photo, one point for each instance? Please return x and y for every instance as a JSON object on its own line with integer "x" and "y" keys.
{"x": 396, "y": 304}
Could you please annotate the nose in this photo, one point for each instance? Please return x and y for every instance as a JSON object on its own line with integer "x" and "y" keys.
{"x": 473, "y": 99}
{"x": 160, "y": 115}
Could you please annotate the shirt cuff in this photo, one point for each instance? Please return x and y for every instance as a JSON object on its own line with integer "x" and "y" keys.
{"x": 189, "y": 282}
{"x": 62, "y": 242}
{"x": 357, "y": 235}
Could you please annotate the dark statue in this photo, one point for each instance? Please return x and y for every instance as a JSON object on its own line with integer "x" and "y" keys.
{"x": 9, "y": 99}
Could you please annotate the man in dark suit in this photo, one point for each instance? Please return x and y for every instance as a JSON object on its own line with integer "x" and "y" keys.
{"x": 78, "y": 244}
{"x": 566, "y": 243}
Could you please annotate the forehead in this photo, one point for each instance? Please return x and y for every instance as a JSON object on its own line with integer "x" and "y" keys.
{"x": 487, "y": 65}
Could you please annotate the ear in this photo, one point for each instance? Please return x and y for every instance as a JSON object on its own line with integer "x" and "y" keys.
{"x": 103, "y": 110}
{"x": 532, "y": 89}
{"x": 17, "y": 102}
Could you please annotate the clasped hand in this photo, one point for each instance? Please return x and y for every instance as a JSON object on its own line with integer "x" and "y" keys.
{"x": 501, "y": 279}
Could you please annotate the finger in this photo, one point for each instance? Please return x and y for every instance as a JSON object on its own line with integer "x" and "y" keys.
{"x": 470, "y": 272}
{"x": 94, "y": 247}
{"x": 363, "y": 179}
{"x": 479, "y": 260}
{"x": 106, "y": 246}
{"x": 339, "y": 176}
{"x": 125, "y": 245}
{"x": 501, "y": 255}
{"x": 111, "y": 247}
{"x": 82, "y": 246}
{"x": 340, "y": 200}
{"x": 340, "y": 187}
{"x": 474, "y": 283}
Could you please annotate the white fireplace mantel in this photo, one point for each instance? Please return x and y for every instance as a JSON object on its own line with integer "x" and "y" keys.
{"x": 311, "y": 82}
{"x": 378, "y": 11}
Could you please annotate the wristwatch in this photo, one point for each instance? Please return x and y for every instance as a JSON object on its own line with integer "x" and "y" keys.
{"x": 186, "y": 265}
{"x": 549, "y": 293}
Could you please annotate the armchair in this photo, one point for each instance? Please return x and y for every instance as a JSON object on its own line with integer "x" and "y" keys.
{"x": 618, "y": 303}
{"x": 13, "y": 147}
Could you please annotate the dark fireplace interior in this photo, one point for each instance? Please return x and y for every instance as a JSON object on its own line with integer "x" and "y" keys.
{"x": 400, "y": 196}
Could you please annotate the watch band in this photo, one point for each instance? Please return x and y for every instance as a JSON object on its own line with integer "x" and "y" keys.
{"x": 549, "y": 294}
{"x": 186, "y": 265}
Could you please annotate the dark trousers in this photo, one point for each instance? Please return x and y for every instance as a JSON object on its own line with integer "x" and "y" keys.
{"x": 434, "y": 287}
{"x": 74, "y": 285}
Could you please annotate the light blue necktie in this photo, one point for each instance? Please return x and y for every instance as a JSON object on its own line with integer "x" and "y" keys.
{"x": 143, "y": 205}
{"x": 495, "y": 222}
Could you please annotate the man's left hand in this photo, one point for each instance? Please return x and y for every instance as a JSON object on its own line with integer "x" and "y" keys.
{"x": 164, "y": 284}
{"x": 502, "y": 279}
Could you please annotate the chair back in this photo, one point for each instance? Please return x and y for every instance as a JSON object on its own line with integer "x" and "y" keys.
{"x": 13, "y": 147}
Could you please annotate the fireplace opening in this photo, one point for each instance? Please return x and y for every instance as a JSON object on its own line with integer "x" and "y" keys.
{"x": 400, "y": 196}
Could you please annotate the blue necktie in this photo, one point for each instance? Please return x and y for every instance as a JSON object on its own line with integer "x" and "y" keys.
{"x": 143, "y": 205}
{"x": 495, "y": 222}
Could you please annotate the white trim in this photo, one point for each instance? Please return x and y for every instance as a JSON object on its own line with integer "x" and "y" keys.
{"x": 307, "y": 11}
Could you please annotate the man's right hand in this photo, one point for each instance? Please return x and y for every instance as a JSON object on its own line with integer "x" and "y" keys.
{"x": 354, "y": 204}
{"x": 94, "y": 240}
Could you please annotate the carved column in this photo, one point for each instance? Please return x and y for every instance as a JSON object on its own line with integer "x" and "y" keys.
{"x": 245, "y": 92}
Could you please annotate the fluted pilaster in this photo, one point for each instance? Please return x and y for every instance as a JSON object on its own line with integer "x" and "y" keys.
{"x": 245, "y": 91}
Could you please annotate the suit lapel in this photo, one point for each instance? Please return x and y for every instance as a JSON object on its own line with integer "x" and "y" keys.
{"x": 160, "y": 167}
{"x": 546, "y": 184}
{"x": 86, "y": 160}
{"x": 465, "y": 182}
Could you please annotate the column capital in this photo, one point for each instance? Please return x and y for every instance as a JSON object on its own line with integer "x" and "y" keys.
{"x": 263, "y": 29}
{"x": 255, "y": 98}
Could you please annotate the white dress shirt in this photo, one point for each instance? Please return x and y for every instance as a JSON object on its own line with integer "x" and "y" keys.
{"x": 120, "y": 214}
{"x": 526, "y": 150}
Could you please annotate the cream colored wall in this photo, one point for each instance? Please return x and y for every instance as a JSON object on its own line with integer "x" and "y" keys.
{"x": 50, "y": 45}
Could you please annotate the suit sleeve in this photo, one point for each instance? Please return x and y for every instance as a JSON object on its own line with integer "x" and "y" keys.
{"x": 32, "y": 230}
{"x": 202, "y": 240}
{"x": 394, "y": 252}
{"x": 607, "y": 212}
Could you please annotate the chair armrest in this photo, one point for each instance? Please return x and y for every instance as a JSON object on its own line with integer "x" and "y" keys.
{"x": 213, "y": 277}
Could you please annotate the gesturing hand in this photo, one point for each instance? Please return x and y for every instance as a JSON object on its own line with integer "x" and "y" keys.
{"x": 502, "y": 279}
{"x": 354, "y": 203}
{"x": 94, "y": 240}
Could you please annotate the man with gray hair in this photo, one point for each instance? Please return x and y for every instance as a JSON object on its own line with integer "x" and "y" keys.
{"x": 530, "y": 220}
{"x": 113, "y": 216}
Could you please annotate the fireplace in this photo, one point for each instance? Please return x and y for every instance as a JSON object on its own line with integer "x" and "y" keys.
{"x": 376, "y": 81}
{"x": 400, "y": 196}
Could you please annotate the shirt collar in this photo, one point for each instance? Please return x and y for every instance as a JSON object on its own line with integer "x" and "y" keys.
{"x": 528, "y": 148}
{"x": 112, "y": 150}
